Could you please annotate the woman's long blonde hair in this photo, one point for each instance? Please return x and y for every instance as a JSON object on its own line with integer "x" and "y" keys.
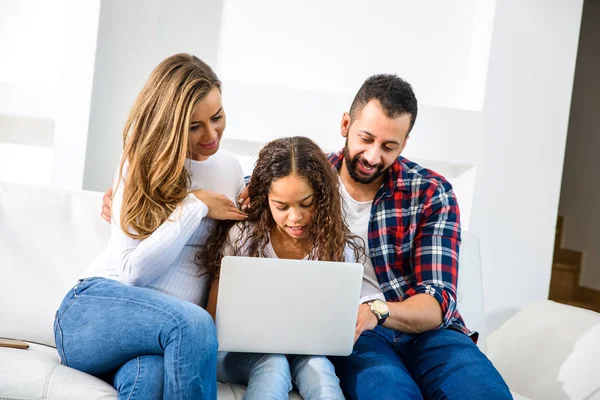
{"x": 155, "y": 142}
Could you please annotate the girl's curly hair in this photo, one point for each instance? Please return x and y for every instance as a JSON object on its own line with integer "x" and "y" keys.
{"x": 280, "y": 158}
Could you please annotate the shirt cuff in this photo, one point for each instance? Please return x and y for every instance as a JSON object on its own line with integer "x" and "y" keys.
{"x": 372, "y": 297}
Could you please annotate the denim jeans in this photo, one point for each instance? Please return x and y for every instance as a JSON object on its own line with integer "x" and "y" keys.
{"x": 439, "y": 364}
{"x": 270, "y": 376}
{"x": 148, "y": 344}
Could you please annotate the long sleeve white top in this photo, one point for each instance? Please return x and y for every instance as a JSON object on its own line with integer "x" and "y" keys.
{"x": 165, "y": 260}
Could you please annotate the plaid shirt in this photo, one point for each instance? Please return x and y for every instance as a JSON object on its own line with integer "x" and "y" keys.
{"x": 414, "y": 237}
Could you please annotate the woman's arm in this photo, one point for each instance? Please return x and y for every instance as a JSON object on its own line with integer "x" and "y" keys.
{"x": 142, "y": 261}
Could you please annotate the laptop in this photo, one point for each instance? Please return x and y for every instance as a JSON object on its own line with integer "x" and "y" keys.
{"x": 270, "y": 305}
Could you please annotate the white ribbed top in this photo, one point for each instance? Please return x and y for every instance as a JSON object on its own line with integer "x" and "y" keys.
{"x": 165, "y": 260}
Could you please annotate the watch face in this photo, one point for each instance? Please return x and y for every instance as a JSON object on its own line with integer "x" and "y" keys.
{"x": 380, "y": 307}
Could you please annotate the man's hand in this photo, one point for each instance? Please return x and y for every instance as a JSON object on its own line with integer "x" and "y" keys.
{"x": 244, "y": 199}
{"x": 366, "y": 321}
{"x": 107, "y": 205}
{"x": 219, "y": 206}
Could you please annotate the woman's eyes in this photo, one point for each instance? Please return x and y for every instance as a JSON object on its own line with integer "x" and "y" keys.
{"x": 194, "y": 128}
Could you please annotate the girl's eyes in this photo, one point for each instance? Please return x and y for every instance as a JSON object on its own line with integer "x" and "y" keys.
{"x": 302, "y": 205}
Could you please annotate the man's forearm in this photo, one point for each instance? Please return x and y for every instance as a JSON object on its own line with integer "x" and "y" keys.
{"x": 417, "y": 314}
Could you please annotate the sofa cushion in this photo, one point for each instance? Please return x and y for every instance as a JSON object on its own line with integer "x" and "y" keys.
{"x": 36, "y": 373}
{"x": 47, "y": 238}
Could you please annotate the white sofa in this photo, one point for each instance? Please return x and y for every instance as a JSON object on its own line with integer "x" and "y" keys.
{"x": 48, "y": 236}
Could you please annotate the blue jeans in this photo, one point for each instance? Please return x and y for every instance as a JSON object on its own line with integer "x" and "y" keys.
{"x": 146, "y": 343}
{"x": 439, "y": 364}
{"x": 270, "y": 376}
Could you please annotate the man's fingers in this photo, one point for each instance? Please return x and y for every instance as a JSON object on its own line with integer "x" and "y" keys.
{"x": 105, "y": 216}
{"x": 106, "y": 202}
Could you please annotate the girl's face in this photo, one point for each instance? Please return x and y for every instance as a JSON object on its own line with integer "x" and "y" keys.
{"x": 292, "y": 202}
{"x": 207, "y": 126}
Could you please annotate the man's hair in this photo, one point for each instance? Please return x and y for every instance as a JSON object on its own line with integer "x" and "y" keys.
{"x": 393, "y": 93}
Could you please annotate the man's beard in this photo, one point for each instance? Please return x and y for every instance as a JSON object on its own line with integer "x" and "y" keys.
{"x": 352, "y": 167}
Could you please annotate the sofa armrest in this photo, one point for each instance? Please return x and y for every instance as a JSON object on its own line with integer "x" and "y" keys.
{"x": 549, "y": 351}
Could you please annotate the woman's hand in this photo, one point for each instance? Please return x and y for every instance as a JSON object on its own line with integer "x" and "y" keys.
{"x": 219, "y": 206}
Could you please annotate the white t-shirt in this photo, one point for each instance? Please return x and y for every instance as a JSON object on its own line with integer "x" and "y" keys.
{"x": 165, "y": 260}
{"x": 357, "y": 216}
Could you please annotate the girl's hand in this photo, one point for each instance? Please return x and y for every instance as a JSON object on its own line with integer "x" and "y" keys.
{"x": 219, "y": 206}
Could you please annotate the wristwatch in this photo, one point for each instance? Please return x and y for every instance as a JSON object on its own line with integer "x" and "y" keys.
{"x": 380, "y": 309}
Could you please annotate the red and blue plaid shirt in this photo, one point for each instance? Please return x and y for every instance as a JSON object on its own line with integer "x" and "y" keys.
{"x": 414, "y": 237}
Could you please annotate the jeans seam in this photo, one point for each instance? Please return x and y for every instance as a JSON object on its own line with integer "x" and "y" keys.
{"x": 137, "y": 376}
{"x": 62, "y": 346}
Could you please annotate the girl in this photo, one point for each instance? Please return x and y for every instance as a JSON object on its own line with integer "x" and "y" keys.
{"x": 295, "y": 212}
{"x": 121, "y": 321}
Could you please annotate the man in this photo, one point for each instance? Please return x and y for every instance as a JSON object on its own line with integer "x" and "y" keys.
{"x": 410, "y": 340}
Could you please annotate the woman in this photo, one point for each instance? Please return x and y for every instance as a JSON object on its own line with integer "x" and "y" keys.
{"x": 295, "y": 212}
{"x": 120, "y": 321}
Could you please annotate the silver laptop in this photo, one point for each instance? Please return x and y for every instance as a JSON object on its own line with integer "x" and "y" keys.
{"x": 269, "y": 305}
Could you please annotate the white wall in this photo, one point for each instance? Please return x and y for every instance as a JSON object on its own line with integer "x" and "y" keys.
{"x": 580, "y": 192}
{"x": 530, "y": 76}
{"x": 330, "y": 46}
{"x": 47, "y": 50}
{"x": 31, "y": 49}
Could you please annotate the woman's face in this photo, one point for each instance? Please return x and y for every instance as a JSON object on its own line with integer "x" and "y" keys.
{"x": 292, "y": 202}
{"x": 207, "y": 125}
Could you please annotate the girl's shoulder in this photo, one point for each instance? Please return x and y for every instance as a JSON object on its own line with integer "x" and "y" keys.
{"x": 238, "y": 238}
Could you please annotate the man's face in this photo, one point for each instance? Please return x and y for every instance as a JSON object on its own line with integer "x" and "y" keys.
{"x": 373, "y": 142}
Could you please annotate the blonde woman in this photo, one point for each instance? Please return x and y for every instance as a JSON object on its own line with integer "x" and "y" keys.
{"x": 134, "y": 318}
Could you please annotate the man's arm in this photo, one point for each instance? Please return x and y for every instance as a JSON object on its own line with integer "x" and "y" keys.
{"x": 431, "y": 303}
{"x": 417, "y": 314}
